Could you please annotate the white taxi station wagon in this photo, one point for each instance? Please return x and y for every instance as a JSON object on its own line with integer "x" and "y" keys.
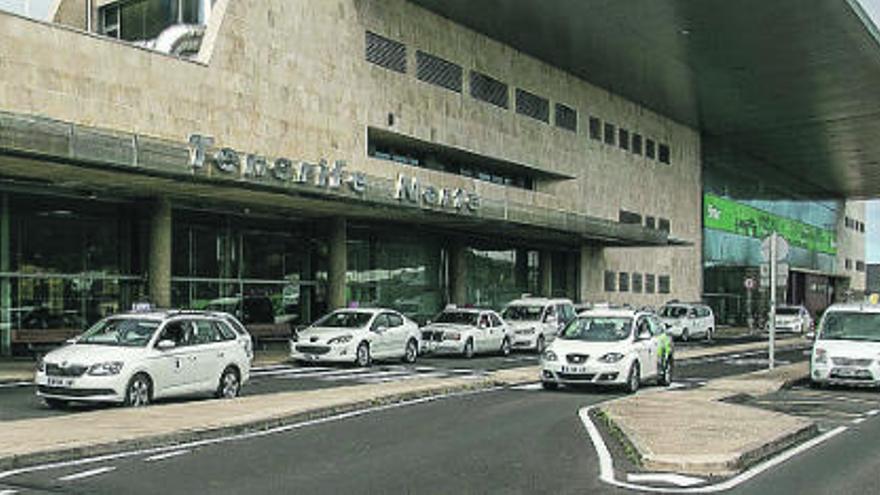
{"x": 134, "y": 358}
{"x": 686, "y": 321}
{"x": 357, "y": 336}
{"x": 535, "y": 321}
{"x": 466, "y": 332}
{"x": 847, "y": 346}
{"x": 609, "y": 347}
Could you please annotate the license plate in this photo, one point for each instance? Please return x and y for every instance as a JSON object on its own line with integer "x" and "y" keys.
{"x": 847, "y": 372}
{"x": 60, "y": 382}
{"x": 574, "y": 369}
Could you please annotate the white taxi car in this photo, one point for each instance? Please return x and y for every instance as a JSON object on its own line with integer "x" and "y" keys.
{"x": 357, "y": 336}
{"x": 535, "y": 321}
{"x": 688, "y": 320}
{"x": 467, "y": 331}
{"x": 847, "y": 346}
{"x": 793, "y": 319}
{"x": 134, "y": 358}
{"x": 609, "y": 347}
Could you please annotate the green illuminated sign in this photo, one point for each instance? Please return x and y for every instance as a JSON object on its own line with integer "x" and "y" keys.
{"x": 730, "y": 216}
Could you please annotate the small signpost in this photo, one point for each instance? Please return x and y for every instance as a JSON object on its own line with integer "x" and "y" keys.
{"x": 774, "y": 248}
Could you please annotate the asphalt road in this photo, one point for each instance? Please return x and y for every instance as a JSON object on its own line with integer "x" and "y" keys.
{"x": 517, "y": 440}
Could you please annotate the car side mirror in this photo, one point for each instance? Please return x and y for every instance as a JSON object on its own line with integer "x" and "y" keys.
{"x": 550, "y": 319}
{"x": 380, "y": 329}
{"x": 166, "y": 344}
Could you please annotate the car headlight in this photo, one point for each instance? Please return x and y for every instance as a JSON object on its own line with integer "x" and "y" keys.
{"x": 549, "y": 356}
{"x": 820, "y": 356}
{"x": 611, "y": 357}
{"x": 105, "y": 369}
{"x": 344, "y": 339}
{"x": 451, "y": 336}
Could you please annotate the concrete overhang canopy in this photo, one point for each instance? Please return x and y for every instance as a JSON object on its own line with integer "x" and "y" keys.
{"x": 785, "y": 85}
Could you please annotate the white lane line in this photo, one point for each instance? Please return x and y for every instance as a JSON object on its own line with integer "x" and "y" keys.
{"x": 669, "y": 478}
{"x": 241, "y": 436}
{"x": 289, "y": 371}
{"x": 872, "y": 412}
{"x": 87, "y": 474}
{"x": 406, "y": 377}
{"x": 528, "y": 386}
{"x": 859, "y": 420}
{"x": 167, "y": 455}
{"x": 363, "y": 376}
{"x": 14, "y": 385}
{"x": 331, "y": 372}
{"x": 606, "y": 466}
{"x": 8, "y": 492}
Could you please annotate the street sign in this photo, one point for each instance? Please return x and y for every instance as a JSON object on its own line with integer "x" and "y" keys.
{"x": 782, "y": 270}
{"x": 782, "y": 248}
{"x": 750, "y": 283}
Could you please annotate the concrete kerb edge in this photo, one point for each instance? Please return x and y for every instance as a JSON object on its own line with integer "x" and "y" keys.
{"x": 187, "y": 436}
{"x": 740, "y": 463}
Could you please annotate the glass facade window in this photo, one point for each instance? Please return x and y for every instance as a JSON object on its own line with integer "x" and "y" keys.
{"x": 649, "y": 283}
{"x": 492, "y": 279}
{"x": 623, "y": 282}
{"x": 610, "y": 281}
{"x": 138, "y": 20}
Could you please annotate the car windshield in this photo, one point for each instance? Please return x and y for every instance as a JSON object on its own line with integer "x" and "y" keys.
{"x": 458, "y": 318}
{"x": 344, "y": 319}
{"x": 840, "y": 325}
{"x": 126, "y": 332}
{"x": 673, "y": 312}
{"x": 598, "y": 329}
{"x": 788, "y": 311}
{"x": 522, "y": 313}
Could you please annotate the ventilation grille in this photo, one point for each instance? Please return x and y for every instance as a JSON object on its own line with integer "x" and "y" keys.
{"x": 629, "y": 217}
{"x": 566, "y": 117}
{"x": 386, "y": 53}
{"x": 489, "y": 90}
{"x": 532, "y": 106}
{"x": 437, "y": 71}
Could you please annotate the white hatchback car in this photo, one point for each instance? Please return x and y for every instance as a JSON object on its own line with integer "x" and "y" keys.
{"x": 134, "y": 358}
{"x": 847, "y": 346}
{"x": 467, "y": 331}
{"x": 357, "y": 336}
{"x": 609, "y": 347}
{"x": 793, "y": 319}
{"x": 686, "y": 321}
{"x": 535, "y": 321}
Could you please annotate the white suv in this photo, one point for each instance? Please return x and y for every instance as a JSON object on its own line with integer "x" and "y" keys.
{"x": 609, "y": 347}
{"x": 535, "y": 321}
{"x": 686, "y": 321}
{"x": 847, "y": 346}
{"x": 133, "y": 358}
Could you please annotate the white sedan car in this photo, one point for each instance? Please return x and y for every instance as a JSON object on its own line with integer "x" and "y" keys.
{"x": 357, "y": 336}
{"x": 135, "y": 358}
{"x": 793, "y": 319}
{"x": 847, "y": 346}
{"x": 467, "y": 331}
{"x": 609, "y": 347}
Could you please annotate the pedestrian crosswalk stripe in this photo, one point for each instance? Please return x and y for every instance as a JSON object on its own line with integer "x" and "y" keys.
{"x": 87, "y": 474}
{"x": 363, "y": 376}
{"x": 288, "y": 371}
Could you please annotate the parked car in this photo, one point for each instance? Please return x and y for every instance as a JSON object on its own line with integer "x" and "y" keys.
{"x": 623, "y": 347}
{"x": 688, "y": 320}
{"x": 847, "y": 345}
{"x": 793, "y": 319}
{"x": 535, "y": 321}
{"x": 467, "y": 331}
{"x": 134, "y": 358}
{"x": 357, "y": 336}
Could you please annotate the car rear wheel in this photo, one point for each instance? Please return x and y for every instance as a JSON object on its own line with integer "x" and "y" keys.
{"x": 468, "y": 349}
{"x": 139, "y": 392}
{"x": 411, "y": 353}
{"x": 709, "y": 334}
{"x": 633, "y": 379}
{"x": 363, "y": 358}
{"x": 540, "y": 345}
{"x": 230, "y": 384}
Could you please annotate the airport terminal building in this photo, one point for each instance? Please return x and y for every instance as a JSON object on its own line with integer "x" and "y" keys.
{"x": 285, "y": 157}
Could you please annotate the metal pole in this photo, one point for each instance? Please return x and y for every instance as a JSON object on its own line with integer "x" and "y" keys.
{"x": 89, "y": 26}
{"x": 772, "y": 350}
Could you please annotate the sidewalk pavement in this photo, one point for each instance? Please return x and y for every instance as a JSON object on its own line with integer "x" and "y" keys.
{"x": 30, "y": 441}
{"x": 693, "y": 432}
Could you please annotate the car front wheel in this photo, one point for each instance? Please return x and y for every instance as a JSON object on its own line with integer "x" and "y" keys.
{"x": 363, "y": 358}
{"x": 230, "y": 384}
{"x": 633, "y": 379}
{"x": 411, "y": 353}
{"x": 139, "y": 392}
{"x": 505, "y": 347}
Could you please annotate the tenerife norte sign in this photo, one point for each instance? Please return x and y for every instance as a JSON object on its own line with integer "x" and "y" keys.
{"x": 407, "y": 190}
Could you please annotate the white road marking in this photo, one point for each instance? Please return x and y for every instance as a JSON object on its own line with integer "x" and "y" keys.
{"x": 872, "y": 412}
{"x": 528, "y": 386}
{"x": 167, "y": 455}
{"x": 240, "y": 436}
{"x": 669, "y": 478}
{"x": 328, "y": 372}
{"x": 288, "y": 371}
{"x": 14, "y": 385}
{"x": 363, "y": 376}
{"x": 859, "y": 420}
{"x": 87, "y": 474}
{"x": 405, "y": 377}
{"x": 8, "y": 492}
{"x": 606, "y": 466}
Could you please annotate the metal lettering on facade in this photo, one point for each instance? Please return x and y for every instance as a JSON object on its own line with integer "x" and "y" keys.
{"x": 407, "y": 189}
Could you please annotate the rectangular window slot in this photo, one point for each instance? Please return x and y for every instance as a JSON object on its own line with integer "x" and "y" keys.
{"x": 610, "y": 281}
{"x": 623, "y": 282}
{"x": 629, "y": 217}
{"x": 595, "y": 129}
{"x": 439, "y": 72}
{"x": 663, "y": 153}
{"x": 663, "y": 282}
{"x": 650, "y": 223}
{"x": 649, "y": 283}
{"x": 649, "y": 148}
{"x": 663, "y": 225}
{"x": 637, "y": 283}
{"x": 488, "y": 89}
{"x": 637, "y": 144}
{"x": 623, "y": 139}
{"x": 532, "y": 105}
{"x": 609, "y": 133}
{"x": 566, "y": 117}
{"x": 386, "y": 53}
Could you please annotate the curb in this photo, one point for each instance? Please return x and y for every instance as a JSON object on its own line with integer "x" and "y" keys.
{"x": 187, "y": 436}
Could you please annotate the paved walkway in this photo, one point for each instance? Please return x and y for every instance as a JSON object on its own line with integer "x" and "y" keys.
{"x": 694, "y": 432}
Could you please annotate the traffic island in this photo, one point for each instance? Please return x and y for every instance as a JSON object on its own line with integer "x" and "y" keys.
{"x": 34, "y": 441}
{"x": 695, "y": 432}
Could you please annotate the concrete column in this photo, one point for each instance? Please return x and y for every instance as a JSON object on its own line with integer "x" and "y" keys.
{"x": 5, "y": 283}
{"x": 159, "y": 269}
{"x": 457, "y": 273}
{"x": 338, "y": 263}
{"x": 571, "y": 270}
{"x": 546, "y": 266}
{"x": 592, "y": 276}
{"x": 521, "y": 270}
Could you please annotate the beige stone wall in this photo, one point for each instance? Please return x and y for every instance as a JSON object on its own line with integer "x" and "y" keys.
{"x": 288, "y": 78}
{"x": 851, "y": 245}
